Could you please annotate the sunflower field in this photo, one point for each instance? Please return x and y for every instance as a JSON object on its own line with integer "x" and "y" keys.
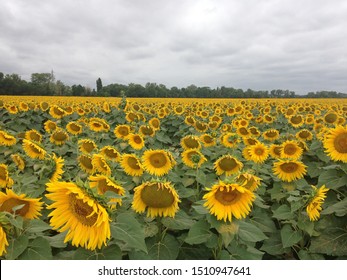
{"x": 119, "y": 179}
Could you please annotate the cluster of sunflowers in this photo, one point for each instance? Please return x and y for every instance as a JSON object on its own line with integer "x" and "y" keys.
{"x": 77, "y": 164}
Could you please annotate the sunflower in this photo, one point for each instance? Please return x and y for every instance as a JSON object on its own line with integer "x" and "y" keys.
{"x": 193, "y": 158}
{"x": 136, "y": 141}
{"x": 131, "y": 165}
{"x": 248, "y": 181}
{"x": 12, "y": 109}
{"x": 296, "y": 120}
{"x": 19, "y": 161}
{"x": 30, "y": 209}
{"x": 275, "y": 151}
{"x": 5, "y": 180}
{"x": 33, "y": 135}
{"x": 7, "y": 139}
{"x": 58, "y": 168}
{"x": 258, "y": 152}
{"x": 178, "y": 110}
{"x": 230, "y": 140}
{"x": 101, "y": 165}
{"x": 147, "y": 130}
{"x": 110, "y": 153}
{"x": 208, "y": 140}
{"x": 96, "y": 125}
{"x": 189, "y": 120}
{"x": 155, "y": 123}
{"x": 227, "y": 164}
{"x": 59, "y": 137}
{"x": 33, "y": 149}
{"x": 226, "y": 200}
{"x": 3, "y": 241}
{"x": 43, "y": 106}
{"x": 200, "y": 126}
{"x": 254, "y": 131}
{"x": 104, "y": 184}
{"x": 190, "y": 142}
{"x": 74, "y": 128}
{"x": 335, "y": 143}
{"x": 23, "y": 107}
{"x": 86, "y": 146}
{"x": 271, "y": 134}
{"x": 315, "y": 205}
{"x": 122, "y": 131}
{"x": 304, "y": 135}
{"x": 289, "y": 170}
{"x": 131, "y": 117}
{"x": 86, "y": 164}
{"x": 331, "y": 118}
{"x": 243, "y": 131}
{"x": 160, "y": 199}
{"x": 249, "y": 141}
{"x": 50, "y": 126}
{"x": 86, "y": 221}
{"x": 56, "y": 112}
{"x": 157, "y": 162}
{"x": 290, "y": 149}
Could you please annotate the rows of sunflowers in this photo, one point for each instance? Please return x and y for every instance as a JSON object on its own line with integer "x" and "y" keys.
{"x": 112, "y": 178}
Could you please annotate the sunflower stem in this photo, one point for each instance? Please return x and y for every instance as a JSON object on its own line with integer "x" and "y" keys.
{"x": 160, "y": 234}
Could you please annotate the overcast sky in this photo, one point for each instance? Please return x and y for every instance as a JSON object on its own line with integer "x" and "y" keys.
{"x": 299, "y": 45}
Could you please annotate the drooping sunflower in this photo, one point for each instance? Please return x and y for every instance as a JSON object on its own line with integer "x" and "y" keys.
{"x": 101, "y": 165}
{"x": 110, "y": 153}
{"x": 105, "y": 183}
{"x": 190, "y": 142}
{"x": 248, "y": 181}
{"x": 304, "y": 135}
{"x": 50, "y": 126}
{"x": 208, "y": 140}
{"x": 258, "y": 152}
{"x": 189, "y": 120}
{"x": 33, "y": 135}
{"x": 249, "y": 141}
{"x": 86, "y": 221}
{"x": 33, "y": 149}
{"x": 200, "y": 126}
{"x": 147, "y": 130}
{"x": 290, "y": 149}
{"x": 19, "y": 161}
{"x": 59, "y": 137}
{"x": 156, "y": 162}
{"x": 96, "y": 125}
{"x": 335, "y": 143}
{"x": 271, "y": 134}
{"x": 314, "y": 206}
{"x": 228, "y": 165}
{"x": 136, "y": 141}
{"x": 56, "y": 112}
{"x": 5, "y": 180}
{"x": 289, "y": 170}
{"x": 3, "y": 241}
{"x": 331, "y": 117}
{"x": 226, "y": 201}
{"x": 58, "y": 168}
{"x": 31, "y": 206}
{"x": 74, "y": 128}
{"x": 160, "y": 199}
{"x": 86, "y": 164}
{"x": 193, "y": 158}
{"x": 131, "y": 165}
{"x": 230, "y": 140}
{"x": 122, "y": 131}
{"x": 296, "y": 120}
{"x": 7, "y": 139}
{"x": 86, "y": 146}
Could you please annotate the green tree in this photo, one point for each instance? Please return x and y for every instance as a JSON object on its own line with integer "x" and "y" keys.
{"x": 98, "y": 85}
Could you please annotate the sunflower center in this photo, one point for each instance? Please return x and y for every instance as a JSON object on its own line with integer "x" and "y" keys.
{"x": 59, "y": 136}
{"x": 304, "y": 134}
{"x": 191, "y": 143}
{"x": 208, "y": 139}
{"x": 123, "y": 131}
{"x": 86, "y": 162}
{"x": 296, "y": 119}
{"x": 75, "y": 127}
{"x": 243, "y": 131}
{"x": 132, "y": 162}
{"x": 259, "y": 151}
{"x": 330, "y": 118}
{"x": 137, "y": 139}
{"x": 271, "y": 134}
{"x": 290, "y": 149}
{"x": 88, "y": 147}
{"x": 340, "y": 143}
{"x": 227, "y": 197}
{"x": 111, "y": 153}
{"x": 158, "y": 160}
{"x": 228, "y": 164}
{"x": 3, "y": 174}
{"x": 156, "y": 196}
{"x": 9, "y": 204}
{"x": 82, "y": 211}
{"x": 34, "y": 136}
{"x": 289, "y": 167}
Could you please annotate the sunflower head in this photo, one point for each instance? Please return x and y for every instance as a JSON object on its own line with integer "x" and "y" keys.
{"x": 86, "y": 163}
{"x": 19, "y": 161}
{"x": 101, "y": 165}
{"x": 228, "y": 200}
{"x": 289, "y": 170}
{"x": 230, "y": 140}
{"x": 122, "y": 131}
{"x": 190, "y": 142}
{"x": 314, "y": 206}
{"x": 7, "y": 139}
{"x": 193, "y": 158}
{"x": 59, "y": 137}
{"x": 271, "y": 134}
{"x": 74, "y": 128}
{"x": 157, "y": 162}
{"x": 290, "y": 149}
{"x": 228, "y": 165}
{"x": 335, "y": 143}
{"x": 160, "y": 199}
{"x": 131, "y": 165}
{"x": 5, "y": 180}
{"x": 136, "y": 141}
{"x": 33, "y": 135}
{"x": 50, "y": 126}
{"x": 33, "y": 150}
{"x": 208, "y": 140}
{"x": 248, "y": 181}
{"x": 258, "y": 152}
{"x": 110, "y": 153}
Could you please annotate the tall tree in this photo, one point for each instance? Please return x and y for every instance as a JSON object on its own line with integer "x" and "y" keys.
{"x": 98, "y": 85}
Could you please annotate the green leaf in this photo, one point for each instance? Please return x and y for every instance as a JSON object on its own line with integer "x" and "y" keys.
{"x": 289, "y": 236}
{"x": 17, "y": 247}
{"x": 167, "y": 249}
{"x": 180, "y": 222}
{"x": 249, "y": 232}
{"x": 198, "y": 233}
{"x": 38, "y": 249}
{"x": 201, "y": 177}
{"x": 57, "y": 241}
{"x": 112, "y": 252}
{"x": 128, "y": 229}
{"x": 37, "y": 226}
{"x": 273, "y": 245}
{"x": 306, "y": 226}
{"x": 263, "y": 221}
{"x": 332, "y": 179}
{"x": 244, "y": 252}
{"x": 283, "y": 213}
{"x": 339, "y": 208}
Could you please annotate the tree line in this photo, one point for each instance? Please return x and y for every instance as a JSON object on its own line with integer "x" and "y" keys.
{"x": 46, "y": 84}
